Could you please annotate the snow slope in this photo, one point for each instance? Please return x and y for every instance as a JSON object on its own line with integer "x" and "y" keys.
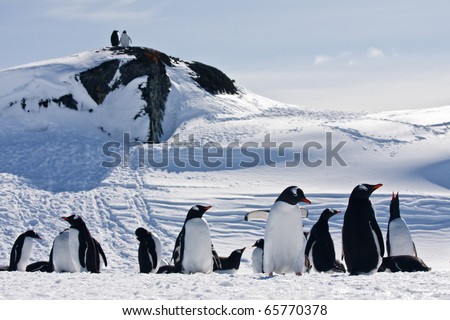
{"x": 49, "y": 169}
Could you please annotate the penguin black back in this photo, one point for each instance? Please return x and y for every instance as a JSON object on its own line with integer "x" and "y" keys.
{"x": 403, "y": 264}
{"x": 17, "y": 251}
{"x": 115, "y": 41}
{"x": 362, "y": 240}
{"x": 147, "y": 251}
{"x": 231, "y": 262}
{"x": 320, "y": 243}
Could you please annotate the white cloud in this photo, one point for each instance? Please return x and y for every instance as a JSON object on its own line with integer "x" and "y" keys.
{"x": 374, "y": 53}
{"x": 321, "y": 59}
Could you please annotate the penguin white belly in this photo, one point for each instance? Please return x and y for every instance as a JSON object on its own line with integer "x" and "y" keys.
{"x": 284, "y": 240}
{"x": 26, "y": 253}
{"x": 74, "y": 246}
{"x": 257, "y": 260}
{"x": 400, "y": 240}
{"x": 197, "y": 255}
{"x": 62, "y": 258}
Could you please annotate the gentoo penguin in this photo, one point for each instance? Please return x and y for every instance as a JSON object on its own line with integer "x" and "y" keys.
{"x": 149, "y": 252}
{"x": 229, "y": 264}
{"x": 21, "y": 251}
{"x": 319, "y": 246}
{"x": 403, "y": 263}
{"x": 257, "y": 256}
{"x": 60, "y": 256}
{"x": 399, "y": 241}
{"x": 362, "y": 241}
{"x": 167, "y": 269}
{"x": 82, "y": 247}
{"x": 41, "y": 266}
{"x": 283, "y": 236}
{"x": 115, "y": 38}
{"x": 125, "y": 39}
{"x": 193, "y": 247}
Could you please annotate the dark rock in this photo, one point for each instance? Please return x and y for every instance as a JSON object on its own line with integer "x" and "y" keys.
{"x": 212, "y": 80}
{"x": 97, "y": 80}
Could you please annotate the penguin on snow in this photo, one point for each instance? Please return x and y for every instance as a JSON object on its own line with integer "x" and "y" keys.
{"x": 82, "y": 246}
{"x": 257, "y": 256}
{"x": 149, "y": 252}
{"x": 21, "y": 251}
{"x": 125, "y": 39}
{"x": 115, "y": 41}
{"x": 320, "y": 246}
{"x": 283, "y": 236}
{"x": 193, "y": 248}
{"x": 399, "y": 241}
{"x": 362, "y": 240}
{"x": 228, "y": 264}
{"x": 403, "y": 263}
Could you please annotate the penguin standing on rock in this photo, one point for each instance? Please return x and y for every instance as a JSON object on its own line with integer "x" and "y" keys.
{"x": 149, "y": 253}
{"x": 115, "y": 38}
{"x": 21, "y": 251}
{"x": 82, "y": 247}
{"x": 283, "y": 235}
{"x": 399, "y": 241}
{"x": 320, "y": 247}
{"x": 229, "y": 264}
{"x": 257, "y": 256}
{"x": 193, "y": 250}
{"x": 362, "y": 241}
{"x": 125, "y": 39}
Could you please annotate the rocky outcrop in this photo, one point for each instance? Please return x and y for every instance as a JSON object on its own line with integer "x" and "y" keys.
{"x": 212, "y": 80}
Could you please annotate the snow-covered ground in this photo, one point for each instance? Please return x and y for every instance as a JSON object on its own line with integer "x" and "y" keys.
{"x": 51, "y": 169}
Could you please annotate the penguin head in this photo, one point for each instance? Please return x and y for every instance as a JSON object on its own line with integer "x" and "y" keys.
{"x": 141, "y": 233}
{"x": 75, "y": 221}
{"x": 363, "y": 191}
{"x": 197, "y": 211}
{"x": 32, "y": 234}
{"x": 328, "y": 213}
{"x": 394, "y": 207}
{"x": 259, "y": 244}
{"x": 293, "y": 195}
{"x": 237, "y": 254}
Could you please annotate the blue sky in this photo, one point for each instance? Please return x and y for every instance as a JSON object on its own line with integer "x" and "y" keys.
{"x": 346, "y": 55}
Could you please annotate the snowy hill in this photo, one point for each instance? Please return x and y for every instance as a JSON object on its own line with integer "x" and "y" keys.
{"x": 232, "y": 149}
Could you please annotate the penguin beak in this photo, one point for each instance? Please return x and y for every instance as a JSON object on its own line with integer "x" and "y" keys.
{"x": 208, "y": 207}
{"x": 375, "y": 187}
{"x": 305, "y": 201}
{"x": 65, "y": 218}
{"x": 337, "y": 211}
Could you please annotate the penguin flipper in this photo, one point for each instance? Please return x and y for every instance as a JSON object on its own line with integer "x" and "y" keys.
{"x": 151, "y": 251}
{"x": 177, "y": 255}
{"x": 376, "y": 228}
{"x": 415, "y": 250}
{"x": 102, "y": 253}
{"x": 82, "y": 253}
{"x": 309, "y": 243}
{"x": 217, "y": 265}
{"x": 256, "y": 215}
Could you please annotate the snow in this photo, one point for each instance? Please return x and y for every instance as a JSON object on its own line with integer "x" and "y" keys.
{"x": 51, "y": 167}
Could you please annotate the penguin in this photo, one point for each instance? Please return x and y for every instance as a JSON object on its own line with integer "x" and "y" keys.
{"x": 21, "y": 251}
{"x": 283, "y": 235}
{"x": 257, "y": 256}
{"x": 40, "y": 266}
{"x": 229, "y": 264}
{"x": 125, "y": 39}
{"x": 362, "y": 241}
{"x": 193, "y": 248}
{"x": 320, "y": 246}
{"x": 82, "y": 247}
{"x": 166, "y": 269}
{"x": 115, "y": 38}
{"x": 403, "y": 263}
{"x": 60, "y": 256}
{"x": 149, "y": 252}
{"x": 399, "y": 241}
